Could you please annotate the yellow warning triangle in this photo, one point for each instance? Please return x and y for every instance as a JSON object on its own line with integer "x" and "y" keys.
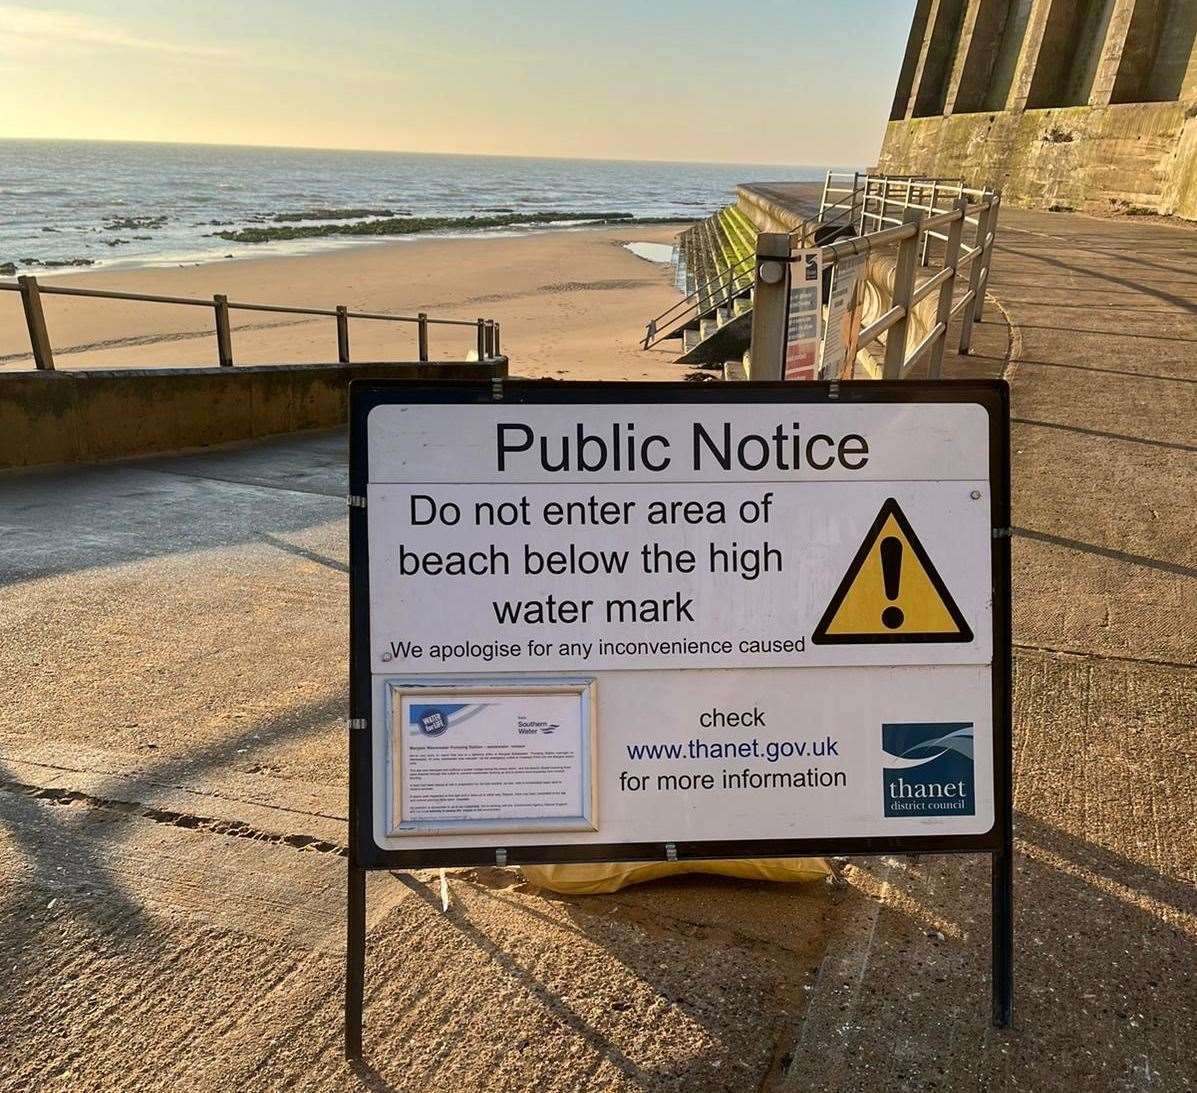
{"x": 891, "y": 592}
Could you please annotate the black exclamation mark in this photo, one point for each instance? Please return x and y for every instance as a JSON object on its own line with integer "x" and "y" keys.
{"x": 891, "y": 576}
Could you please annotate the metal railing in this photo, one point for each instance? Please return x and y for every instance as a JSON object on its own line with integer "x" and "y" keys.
{"x": 905, "y": 213}
{"x": 719, "y": 291}
{"x": 837, "y": 213}
{"x": 737, "y": 279}
{"x": 487, "y": 338}
{"x": 886, "y": 200}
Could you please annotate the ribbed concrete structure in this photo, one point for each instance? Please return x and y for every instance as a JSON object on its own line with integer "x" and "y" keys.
{"x": 1065, "y": 104}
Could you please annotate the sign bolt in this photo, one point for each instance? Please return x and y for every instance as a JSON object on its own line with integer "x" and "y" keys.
{"x": 975, "y": 495}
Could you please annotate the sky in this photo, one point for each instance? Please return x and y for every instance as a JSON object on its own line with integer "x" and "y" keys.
{"x": 764, "y": 81}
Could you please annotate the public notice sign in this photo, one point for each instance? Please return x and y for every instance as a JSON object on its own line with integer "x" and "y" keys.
{"x": 632, "y": 621}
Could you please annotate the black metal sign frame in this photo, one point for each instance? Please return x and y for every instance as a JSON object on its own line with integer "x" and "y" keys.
{"x": 365, "y": 854}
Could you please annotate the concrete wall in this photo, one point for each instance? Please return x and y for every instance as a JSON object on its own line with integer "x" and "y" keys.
{"x": 1098, "y": 159}
{"x": 85, "y": 417}
{"x": 1085, "y": 104}
{"x": 766, "y": 215}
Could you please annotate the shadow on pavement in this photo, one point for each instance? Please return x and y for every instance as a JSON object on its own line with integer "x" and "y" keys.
{"x": 100, "y": 516}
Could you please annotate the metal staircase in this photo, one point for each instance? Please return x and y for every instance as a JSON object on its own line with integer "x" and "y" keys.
{"x": 715, "y": 265}
{"x": 715, "y": 262}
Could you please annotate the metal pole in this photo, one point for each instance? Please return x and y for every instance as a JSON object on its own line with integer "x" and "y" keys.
{"x": 224, "y": 334}
{"x": 974, "y": 282}
{"x": 355, "y": 961}
{"x": 490, "y": 339}
{"x": 35, "y": 319}
{"x": 423, "y": 335}
{"x": 342, "y": 334}
{"x": 943, "y": 311}
{"x": 986, "y": 256}
{"x": 1003, "y": 936}
{"x": 927, "y": 235}
{"x": 770, "y": 305}
{"x": 482, "y": 339}
{"x": 895, "y": 339}
{"x": 498, "y": 351}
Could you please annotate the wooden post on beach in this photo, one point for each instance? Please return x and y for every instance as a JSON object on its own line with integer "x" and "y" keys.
{"x": 342, "y": 334}
{"x": 39, "y": 337}
{"x": 423, "y": 336}
{"x": 482, "y": 339}
{"x": 224, "y": 335}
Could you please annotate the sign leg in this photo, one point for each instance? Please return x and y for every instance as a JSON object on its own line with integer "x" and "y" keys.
{"x": 355, "y": 961}
{"x": 1003, "y": 937}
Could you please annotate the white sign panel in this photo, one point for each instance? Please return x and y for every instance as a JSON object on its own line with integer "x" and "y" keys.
{"x": 780, "y": 613}
{"x": 625, "y": 566}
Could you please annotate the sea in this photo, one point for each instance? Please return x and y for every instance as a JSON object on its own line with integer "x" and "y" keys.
{"x": 67, "y": 205}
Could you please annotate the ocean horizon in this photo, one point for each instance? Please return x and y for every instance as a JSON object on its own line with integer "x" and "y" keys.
{"x": 74, "y": 205}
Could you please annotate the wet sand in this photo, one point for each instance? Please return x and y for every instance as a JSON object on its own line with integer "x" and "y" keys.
{"x": 572, "y": 304}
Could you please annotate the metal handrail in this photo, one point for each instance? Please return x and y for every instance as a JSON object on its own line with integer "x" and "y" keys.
{"x": 730, "y": 280}
{"x": 233, "y": 305}
{"x": 929, "y": 208}
{"x": 32, "y": 292}
{"x": 686, "y": 309}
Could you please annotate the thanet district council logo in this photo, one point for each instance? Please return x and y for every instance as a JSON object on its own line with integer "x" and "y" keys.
{"x": 927, "y": 769}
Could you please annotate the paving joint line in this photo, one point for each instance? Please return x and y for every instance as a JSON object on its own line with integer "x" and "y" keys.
{"x": 173, "y": 818}
{"x": 1082, "y": 655}
{"x": 241, "y": 482}
{"x": 12, "y": 757}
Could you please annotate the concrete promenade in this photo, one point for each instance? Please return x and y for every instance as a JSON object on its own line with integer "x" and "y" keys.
{"x": 172, "y": 816}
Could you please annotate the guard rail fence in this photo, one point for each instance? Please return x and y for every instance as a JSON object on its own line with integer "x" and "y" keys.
{"x": 488, "y": 330}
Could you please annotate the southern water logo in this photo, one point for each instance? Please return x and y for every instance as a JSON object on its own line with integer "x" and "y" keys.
{"x": 428, "y": 720}
{"x": 927, "y": 769}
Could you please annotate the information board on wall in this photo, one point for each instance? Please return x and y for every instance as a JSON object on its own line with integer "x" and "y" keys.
{"x": 592, "y": 621}
{"x": 843, "y": 318}
{"x": 804, "y": 314}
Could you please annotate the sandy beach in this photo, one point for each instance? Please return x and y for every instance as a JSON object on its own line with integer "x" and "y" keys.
{"x": 572, "y": 304}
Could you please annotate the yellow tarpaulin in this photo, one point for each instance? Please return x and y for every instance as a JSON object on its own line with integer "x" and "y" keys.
{"x": 590, "y": 880}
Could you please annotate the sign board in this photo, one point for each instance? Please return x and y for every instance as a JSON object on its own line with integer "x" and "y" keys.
{"x": 804, "y": 313}
{"x": 843, "y": 317}
{"x": 598, "y": 622}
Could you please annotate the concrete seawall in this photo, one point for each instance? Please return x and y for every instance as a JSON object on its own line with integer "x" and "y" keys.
{"x": 74, "y": 417}
{"x": 1066, "y": 105}
{"x": 1138, "y": 156}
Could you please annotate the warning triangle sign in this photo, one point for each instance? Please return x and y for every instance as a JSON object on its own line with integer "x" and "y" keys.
{"x": 891, "y": 592}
